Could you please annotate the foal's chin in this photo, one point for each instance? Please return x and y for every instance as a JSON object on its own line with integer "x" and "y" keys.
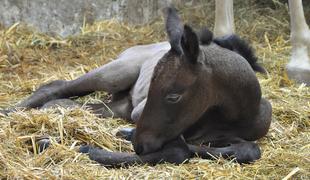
{"x": 146, "y": 144}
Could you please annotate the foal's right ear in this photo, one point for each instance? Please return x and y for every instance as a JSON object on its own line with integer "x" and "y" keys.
{"x": 190, "y": 44}
{"x": 174, "y": 28}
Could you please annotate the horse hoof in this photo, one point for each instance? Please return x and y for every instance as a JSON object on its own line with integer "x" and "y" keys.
{"x": 44, "y": 94}
{"x": 43, "y": 144}
{"x": 84, "y": 149}
{"x": 249, "y": 152}
{"x": 4, "y": 112}
{"x": 126, "y": 133}
{"x": 299, "y": 74}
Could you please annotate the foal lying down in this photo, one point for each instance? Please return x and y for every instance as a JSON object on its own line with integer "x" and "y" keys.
{"x": 193, "y": 95}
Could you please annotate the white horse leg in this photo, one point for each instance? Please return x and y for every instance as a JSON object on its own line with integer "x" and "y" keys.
{"x": 224, "y": 18}
{"x": 298, "y": 67}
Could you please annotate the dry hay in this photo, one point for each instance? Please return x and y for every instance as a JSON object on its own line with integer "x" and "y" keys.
{"x": 28, "y": 59}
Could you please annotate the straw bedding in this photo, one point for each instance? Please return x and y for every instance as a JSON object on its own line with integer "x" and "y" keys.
{"x": 28, "y": 59}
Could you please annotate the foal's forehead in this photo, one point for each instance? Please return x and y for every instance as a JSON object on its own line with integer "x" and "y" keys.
{"x": 167, "y": 67}
{"x": 172, "y": 72}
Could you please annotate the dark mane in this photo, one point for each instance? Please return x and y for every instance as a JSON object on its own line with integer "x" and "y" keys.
{"x": 235, "y": 43}
{"x": 205, "y": 36}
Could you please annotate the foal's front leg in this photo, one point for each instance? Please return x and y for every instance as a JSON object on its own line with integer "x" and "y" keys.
{"x": 173, "y": 152}
{"x": 234, "y": 147}
{"x": 243, "y": 151}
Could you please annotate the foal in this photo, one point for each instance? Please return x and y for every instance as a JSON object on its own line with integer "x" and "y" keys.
{"x": 181, "y": 94}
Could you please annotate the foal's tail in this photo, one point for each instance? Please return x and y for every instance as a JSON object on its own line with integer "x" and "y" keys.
{"x": 240, "y": 46}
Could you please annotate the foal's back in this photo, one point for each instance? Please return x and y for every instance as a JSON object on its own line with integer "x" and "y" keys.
{"x": 235, "y": 85}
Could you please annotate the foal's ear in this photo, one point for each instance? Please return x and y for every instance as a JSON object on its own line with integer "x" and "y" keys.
{"x": 190, "y": 44}
{"x": 174, "y": 28}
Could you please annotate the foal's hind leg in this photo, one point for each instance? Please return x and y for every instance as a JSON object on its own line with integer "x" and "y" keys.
{"x": 239, "y": 146}
{"x": 258, "y": 127}
{"x": 113, "y": 77}
{"x": 120, "y": 108}
{"x": 65, "y": 103}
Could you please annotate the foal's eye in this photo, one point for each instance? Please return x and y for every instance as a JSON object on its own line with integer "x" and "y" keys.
{"x": 173, "y": 98}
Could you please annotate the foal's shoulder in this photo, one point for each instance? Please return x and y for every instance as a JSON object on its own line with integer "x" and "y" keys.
{"x": 215, "y": 52}
{"x": 235, "y": 43}
{"x": 225, "y": 60}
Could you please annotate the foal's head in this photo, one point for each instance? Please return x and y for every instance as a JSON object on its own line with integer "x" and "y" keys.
{"x": 178, "y": 94}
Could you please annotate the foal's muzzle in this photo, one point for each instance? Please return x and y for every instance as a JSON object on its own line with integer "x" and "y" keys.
{"x": 145, "y": 144}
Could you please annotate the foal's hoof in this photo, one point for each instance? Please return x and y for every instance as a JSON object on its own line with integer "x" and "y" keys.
{"x": 300, "y": 75}
{"x": 4, "y": 112}
{"x": 44, "y": 94}
{"x": 43, "y": 144}
{"x": 246, "y": 152}
{"x": 126, "y": 133}
{"x": 64, "y": 103}
{"x": 84, "y": 149}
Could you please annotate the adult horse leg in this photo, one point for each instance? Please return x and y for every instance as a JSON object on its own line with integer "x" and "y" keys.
{"x": 299, "y": 66}
{"x": 224, "y": 18}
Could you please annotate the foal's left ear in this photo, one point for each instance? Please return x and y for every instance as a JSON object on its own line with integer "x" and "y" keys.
{"x": 190, "y": 44}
